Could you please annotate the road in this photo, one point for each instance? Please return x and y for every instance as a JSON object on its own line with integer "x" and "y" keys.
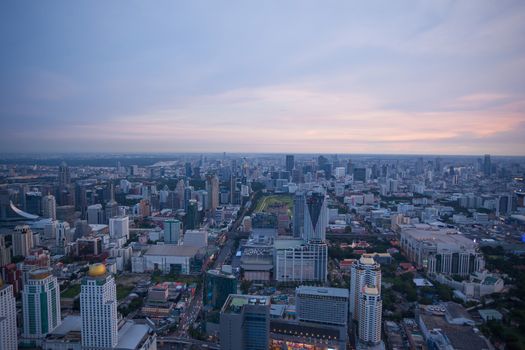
{"x": 165, "y": 342}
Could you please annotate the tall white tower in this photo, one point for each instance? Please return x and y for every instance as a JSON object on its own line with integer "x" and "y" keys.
{"x": 98, "y": 309}
{"x": 49, "y": 207}
{"x": 22, "y": 240}
{"x": 370, "y": 306}
{"x": 40, "y": 305}
{"x": 8, "y": 339}
{"x": 119, "y": 227}
{"x": 62, "y": 234}
{"x": 363, "y": 272}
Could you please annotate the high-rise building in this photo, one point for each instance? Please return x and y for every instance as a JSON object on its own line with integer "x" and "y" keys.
{"x": 5, "y": 252}
{"x": 218, "y": 285}
{"x": 363, "y": 272}
{"x": 298, "y": 213}
{"x": 63, "y": 234}
{"x": 315, "y": 217}
{"x": 290, "y": 164}
{"x": 487, "y": 165}
{"x": 119, "y": 227}
{"x": 192, "y": 215}
{"x": 322, "y": 305}
{"x": 245, "y": 322}
{"x": 359, "y": 174}
{"x": 64, "y": 177}
{"x": 300, "y": 261}
{"x": 212, "y": 187}
{"x": 34, "y": 203}
{"x": 98, "y": 309}
{"x": 95, "y": 214}
{"x": 8, "y": 339}
{"x": 370, "y": 306}
{"x": 40, "y": 305}
{"x": 22, "y": 240}
{"x": 172, "y": 231}
{"x": 49, "y": 207}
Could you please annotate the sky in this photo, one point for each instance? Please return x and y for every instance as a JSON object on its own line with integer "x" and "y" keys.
{"x": 396, "y": 77}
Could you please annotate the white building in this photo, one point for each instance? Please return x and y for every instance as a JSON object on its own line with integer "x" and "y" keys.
{"x": 119, "y": 227}
{"x": 322, "y": 305}
{"x": 40, "y": 305}
{"x": 8, "y": 340}
{"x": 441, "y": 250}
{"x": 363, "y": 272}
{"x": 196, "y": 238}
{"x": 49, "y": 207}
{"x": 62, "y": 234}
{"x": 370, "y": 306}
{"x": 166, "y": 258}
{"x": 315, "y": 216}
{"x": 295, "y": 260}
{"x": 98, "y": 309}
{"x": 172, "y": 231}
{"x": 22, "y": 240}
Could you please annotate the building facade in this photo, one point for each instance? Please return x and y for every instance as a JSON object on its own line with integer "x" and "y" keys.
{"x": 98, "y": 309}
{"x": 40, "y": 305}
{"x": 8, "y": 338}
{"x": 370, "y": 306}
{"x": 322, "y": 305}
{"x": 301, "y": 262}
{"x": 363, "y": 272}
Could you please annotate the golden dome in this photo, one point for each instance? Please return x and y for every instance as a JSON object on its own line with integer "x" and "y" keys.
{"x": 97, "y": 270}
{"x": 39, "y": 274}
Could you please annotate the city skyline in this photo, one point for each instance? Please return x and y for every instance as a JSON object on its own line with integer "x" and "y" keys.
{"x": 433, "y": 78}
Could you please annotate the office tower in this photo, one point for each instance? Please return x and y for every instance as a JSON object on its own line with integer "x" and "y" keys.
{"x": 322, "y": 305}
{"x": 212, "y": 187}
{"x": 180, "y": 195}
{"x": 98, "y": 309}
{"x": 438, "y": 166}
{"x": 8, "y": 340}
{"x": 63, "y": 175}
{"x": 5, "y": 252}
{"x": 363, "y": 272}
{"x": 111, "y": 210}
{"x": 34, "y": 203}
{"x": 298, "y": 213}
{"x": 359, "y": 174}
{"x": 370, "y": 306}
{"x": 192, "y": 215}
{"x": 63, "y": 234}
{"x": 487, "y": 165}
{"x": 119, "y": 227}
{"x": 245, "y": 322}
{"x": 419, "y": 166}
{"x": 40, "y": 305}
{"x": 172, "y": 231}
{"x": 49, "y": 207}
{"x": 22, "y": 240}
{"x": 290, "y": 164}
{"x": 218, "y": 285}
{"x": 95, "y": 214}
{"x": 315, "y": 217}
{"x": 297, "y": 261}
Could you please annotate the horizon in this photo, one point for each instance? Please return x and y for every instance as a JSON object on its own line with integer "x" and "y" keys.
{"x": 432, "y": 78}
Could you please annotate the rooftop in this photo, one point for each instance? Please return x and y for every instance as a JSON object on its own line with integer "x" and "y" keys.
{"x": 323, "y": 291}
{"x": 172, "y": 250}
{"x": 235, "y": 302}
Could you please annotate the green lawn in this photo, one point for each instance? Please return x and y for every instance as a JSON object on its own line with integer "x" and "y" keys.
{"x": 71, "y": 292}
{"x": 267, "y": 201}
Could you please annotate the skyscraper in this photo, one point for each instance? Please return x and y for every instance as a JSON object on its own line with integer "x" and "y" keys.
{"x": 40, "y": 305}
{"x": 315, "y": 217}
{"x": 8, "y": 340}
{"x": 63, "y": 175}
{"x": 212, "y": 187}
{"x": 98, "y": 309}
{"x": 487, "y": 165}
{"x": 245, "y": 322}
{"x": 22, "y": 240}
{"x": 363, "y": 272}
{"x": 49, "y": 207}
{"x": 370, "y": 306}
{"x": 63, "y": 234}
{"x": 322, "y": 305}
{"x": 290, "y": 163}
{"x": 119, "y": 227}
{"x": 298, "y": 213}
{"x": 218, "y": 285}
{"x": 172, "y": 231}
